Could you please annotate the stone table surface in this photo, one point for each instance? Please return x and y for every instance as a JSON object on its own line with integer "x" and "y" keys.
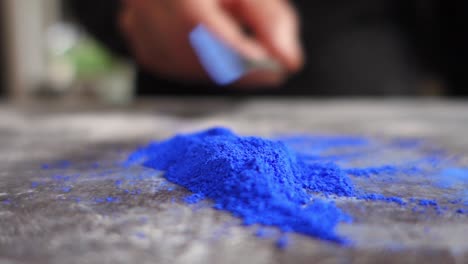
{"x": 44, "y": 219}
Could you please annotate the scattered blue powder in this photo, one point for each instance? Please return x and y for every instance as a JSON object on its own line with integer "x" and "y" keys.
{"x": 330, "y": 158}
{"x": 425, "y": 202}
{"x": 282, "y": 242}
{"x": 457, "y": 201}
{"x": 380, "y": 197}
{"x": 132, "y": 192}
{"x": 260, "y": 233}
{"x": 111, "y": 199}
{"x": 99, "y": 200}
{"x": 66, "y": 189}
{"x": 263, "y": 233}
{"x": 61, "y": 164}
{"x": 118, "y": 183}
{"x": 369, "y": 171}
{"x": 258, "y": 180}
{"x": 407, "y": 143}
{"x": 140, "y": 235}
{"x": 450, "y": 177}
{"x": 317, "y": 146}
{"x": 108, "y": 199}
{"x": 440, "y": 210}
{"x": 194, "y": 198}
{"x": 324, "y": 142}
{"x": 388, "y": 170}
{"x": 63, "y": 178}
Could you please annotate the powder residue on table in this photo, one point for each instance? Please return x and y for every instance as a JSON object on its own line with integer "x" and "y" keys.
{"x": 289, "y": 183}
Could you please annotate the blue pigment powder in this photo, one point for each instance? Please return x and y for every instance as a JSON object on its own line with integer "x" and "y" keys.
{"x": 259, "y": 180}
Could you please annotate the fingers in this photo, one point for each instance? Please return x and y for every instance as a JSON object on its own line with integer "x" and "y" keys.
{"x": 158, "y": 30}
{"x": 226, "y": 27}
{"x": 157, "y": 42}
{"x": 276, "y": 25}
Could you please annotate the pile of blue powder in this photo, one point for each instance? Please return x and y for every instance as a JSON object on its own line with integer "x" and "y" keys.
{"x": 259, "y": 180}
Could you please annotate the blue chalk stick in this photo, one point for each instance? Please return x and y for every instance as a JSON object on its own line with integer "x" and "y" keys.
{"x": 222, "y": 63}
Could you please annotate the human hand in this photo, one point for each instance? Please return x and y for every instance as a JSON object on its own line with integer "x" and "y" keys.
{"x": 157, "y": 32}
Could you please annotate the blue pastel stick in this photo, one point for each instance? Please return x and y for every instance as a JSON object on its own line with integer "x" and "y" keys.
{"x": 222, "y": 63}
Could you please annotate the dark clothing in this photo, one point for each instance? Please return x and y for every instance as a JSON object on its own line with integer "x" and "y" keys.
{"x": 360, "y": 47}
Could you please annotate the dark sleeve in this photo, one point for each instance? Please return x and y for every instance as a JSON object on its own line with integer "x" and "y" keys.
{"x": 99, "y": 18}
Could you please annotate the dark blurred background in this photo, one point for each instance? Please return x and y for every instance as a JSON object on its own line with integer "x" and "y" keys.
{"x": 2, "y": 55}
{"x": 72, "y": 48}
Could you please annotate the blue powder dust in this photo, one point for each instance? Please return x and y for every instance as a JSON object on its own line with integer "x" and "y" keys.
{"x": 272, "y": 183}
{"x": 61, "y": 164}
{"x": 259, "y": 180}
{"x": 382, "y": 198}
{"x": 282, "y": 242}
{"x": 369, "y": 171}
{"x": 426, "y": 202}
{"x": 66, "y": 189}
{"x": 194, "y": 198}
{"x": 450, "y": 177}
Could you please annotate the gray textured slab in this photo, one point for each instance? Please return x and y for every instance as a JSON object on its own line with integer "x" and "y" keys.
{"x": 41, "y": 225}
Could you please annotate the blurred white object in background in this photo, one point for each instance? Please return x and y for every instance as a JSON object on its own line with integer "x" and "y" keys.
{"x": 60, "y": 39}
{"x": 78, "y": 65}
{"x": 25, "y": 22}
{"x": 117, "y": 86}
{"x": 54, "y": 59}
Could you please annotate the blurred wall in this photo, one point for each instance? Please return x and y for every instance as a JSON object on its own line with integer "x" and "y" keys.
{"x": 25, "y": 25}
{"x": 3, "y": 62}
